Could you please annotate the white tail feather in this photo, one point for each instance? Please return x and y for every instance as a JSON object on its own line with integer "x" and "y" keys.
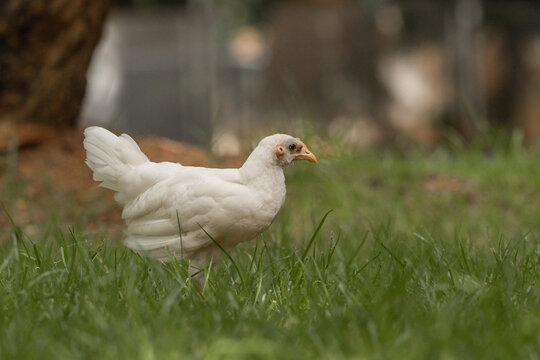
{"x": 110, "y": 156}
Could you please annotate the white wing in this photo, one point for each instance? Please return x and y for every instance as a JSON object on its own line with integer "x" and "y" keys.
{"x": 183, "y": 200}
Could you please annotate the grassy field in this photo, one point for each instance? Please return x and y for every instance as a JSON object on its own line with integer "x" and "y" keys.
{"x": 425, "y": 255}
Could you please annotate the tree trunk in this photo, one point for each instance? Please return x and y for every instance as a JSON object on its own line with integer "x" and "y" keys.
{"x": 45, "y": 49}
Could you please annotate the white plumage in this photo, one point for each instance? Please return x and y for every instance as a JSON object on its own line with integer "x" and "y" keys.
{"x": 167, "y": 205}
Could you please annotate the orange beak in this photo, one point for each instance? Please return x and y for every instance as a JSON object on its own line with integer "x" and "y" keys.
{"x": 305, "y": 154}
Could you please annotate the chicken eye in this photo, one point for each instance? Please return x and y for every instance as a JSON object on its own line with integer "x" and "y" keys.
{"x": 292, "y": 147}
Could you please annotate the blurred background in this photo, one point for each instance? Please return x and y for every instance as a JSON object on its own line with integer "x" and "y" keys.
{"x": 424, "y": 115}
{"x": 212, "y": 73}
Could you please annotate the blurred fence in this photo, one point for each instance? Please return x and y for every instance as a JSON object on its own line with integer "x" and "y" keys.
{"x": 371, "y": 71}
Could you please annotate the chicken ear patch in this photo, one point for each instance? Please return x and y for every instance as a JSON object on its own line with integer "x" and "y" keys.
{"x": 279, "y": 151}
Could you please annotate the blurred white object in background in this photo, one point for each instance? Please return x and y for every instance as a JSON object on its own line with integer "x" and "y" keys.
{"x": 153, "y": 73}
{"x": 104, "y": 81}
{"x": 417, "y": 85}
{"x": 226, "y": 144}
{"x": 248, "y": 48}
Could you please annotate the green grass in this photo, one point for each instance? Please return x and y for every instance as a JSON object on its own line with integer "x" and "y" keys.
{"x": 398, "y": 270}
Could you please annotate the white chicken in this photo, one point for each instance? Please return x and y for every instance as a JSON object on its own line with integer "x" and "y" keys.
{"x": 172, "y": 209}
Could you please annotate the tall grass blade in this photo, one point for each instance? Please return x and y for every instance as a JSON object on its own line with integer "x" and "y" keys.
{"x": 225, "y": 252}
{"x": 315, "y": 233}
